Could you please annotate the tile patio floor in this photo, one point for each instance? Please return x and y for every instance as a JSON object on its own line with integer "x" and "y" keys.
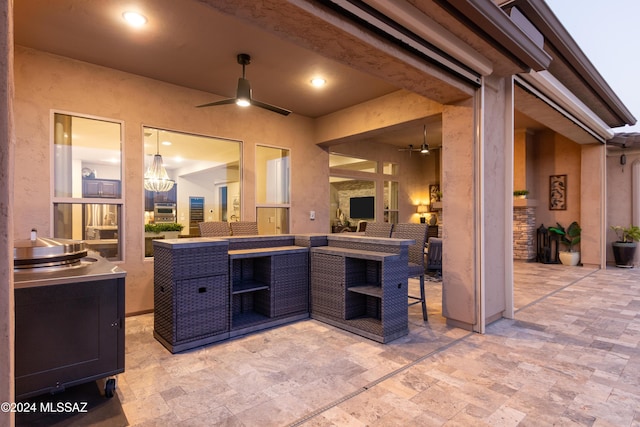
{"x": 571, "y": 357}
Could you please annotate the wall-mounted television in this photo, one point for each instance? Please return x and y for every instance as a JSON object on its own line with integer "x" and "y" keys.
{"x": 362, "y": 207}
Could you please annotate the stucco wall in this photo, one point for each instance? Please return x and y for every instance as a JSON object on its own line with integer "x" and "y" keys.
{"x": 557, "y": 155}
{"x": 45, "y": 82}
{"x": 7, "y": 168}
{"x": 619, "y": 196}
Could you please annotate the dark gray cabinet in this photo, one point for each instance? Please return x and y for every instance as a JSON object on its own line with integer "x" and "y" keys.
{"x": 101, "y": 188}
{"x": 151, "y": 197}
{"x": 191, "y": 292}
{"x": 68, "y": 334}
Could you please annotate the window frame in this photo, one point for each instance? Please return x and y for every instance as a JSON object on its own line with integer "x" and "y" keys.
{"x": 82, "y": 201}
{"x": 286, "y": 205}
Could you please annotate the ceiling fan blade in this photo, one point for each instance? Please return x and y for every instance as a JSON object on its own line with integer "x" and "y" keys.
{"x": 223, "y": 102}
{"x": 243, "y": 93}
{"x": 270, "y": 107}
{"x": 410, "y": 148}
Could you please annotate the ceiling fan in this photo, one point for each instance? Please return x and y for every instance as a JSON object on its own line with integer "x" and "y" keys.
{"x": 423, "y": 149}
{"x": 243, "y": 94}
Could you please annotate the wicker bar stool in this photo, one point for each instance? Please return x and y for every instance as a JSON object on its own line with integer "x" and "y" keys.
{"x": 417, "y": 232}
{"x": 214, "y": 229}
{"x": 378, "y": 229}
{"x": 244, "y": 228}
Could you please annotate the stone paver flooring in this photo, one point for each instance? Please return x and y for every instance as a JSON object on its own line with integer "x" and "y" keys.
{"x": 569, "y": 358}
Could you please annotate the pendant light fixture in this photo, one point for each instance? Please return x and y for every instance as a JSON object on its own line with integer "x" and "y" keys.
{"x": 156, "y": 178}
{"x": 424, "y": 149}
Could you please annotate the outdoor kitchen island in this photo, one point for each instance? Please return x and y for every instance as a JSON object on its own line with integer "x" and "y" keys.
{"x": 211, "y": 289}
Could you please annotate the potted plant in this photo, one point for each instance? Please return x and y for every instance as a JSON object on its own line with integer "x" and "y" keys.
{"x": 169, "y": 230}
{"x": 570, "y": 238}
{"x": 624, "y": 249}
{"x": 520, "y": 194}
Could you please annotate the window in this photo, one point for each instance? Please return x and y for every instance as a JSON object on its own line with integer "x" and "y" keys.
{"x": 348, "y": 163}
{"x": 391, "y": 202}
{"x": 87, "y": 182}
{"x": 272, "y": 189}
{"x": 390, "y": 168}
{"x": 352, "y": 200}
{"x": 355, "y": 185}
{"x": 205, "y": 172}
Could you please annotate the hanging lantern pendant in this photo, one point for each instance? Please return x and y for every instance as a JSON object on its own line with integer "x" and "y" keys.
{"x": 156, "y": 178}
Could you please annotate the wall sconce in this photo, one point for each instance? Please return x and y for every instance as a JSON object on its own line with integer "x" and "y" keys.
{"x": 422, "y": 209}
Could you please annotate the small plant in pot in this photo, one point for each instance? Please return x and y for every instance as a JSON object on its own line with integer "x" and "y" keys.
{"x": 624, "y": 249}
{"x": 570, "y": 238}
{"x": 520, "y": 194}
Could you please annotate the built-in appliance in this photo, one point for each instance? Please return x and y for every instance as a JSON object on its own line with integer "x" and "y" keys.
{"x": 69, "y": 316}
{"x": 164, "y": 213}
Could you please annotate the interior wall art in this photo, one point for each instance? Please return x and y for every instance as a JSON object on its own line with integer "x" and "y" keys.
{"x": 558, "y": 192}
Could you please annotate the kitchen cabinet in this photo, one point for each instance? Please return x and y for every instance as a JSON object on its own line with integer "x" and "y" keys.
{"x": 101, "y": 188}
{"x": 151, "y": 197}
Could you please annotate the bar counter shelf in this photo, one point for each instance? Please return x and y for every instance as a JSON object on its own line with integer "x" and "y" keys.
{"x": 361, "y": 291}
{"x": 268, "y": 285}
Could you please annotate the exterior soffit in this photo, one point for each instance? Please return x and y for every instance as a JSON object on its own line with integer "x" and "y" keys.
{"x": 540, "y": 111}
{"x": 571, "y": 66}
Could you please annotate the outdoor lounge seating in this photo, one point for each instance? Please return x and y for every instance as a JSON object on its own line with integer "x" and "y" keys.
{"x": 214, "y": 229}
{"x": 417, "y": 232}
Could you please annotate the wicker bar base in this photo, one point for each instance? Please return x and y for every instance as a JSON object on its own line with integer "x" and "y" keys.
{"x": 179, "y": 347}
{"x": 365, "y": 327}
{"x": 363, "y": 292}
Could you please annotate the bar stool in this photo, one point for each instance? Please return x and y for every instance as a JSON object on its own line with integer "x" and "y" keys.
{"x": 417, "y": 232}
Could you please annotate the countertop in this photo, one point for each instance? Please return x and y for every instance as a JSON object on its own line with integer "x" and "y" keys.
{"x": 91, "y": 268}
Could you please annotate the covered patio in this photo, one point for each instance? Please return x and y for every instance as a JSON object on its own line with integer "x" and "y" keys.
{"x": 569, "y": 356}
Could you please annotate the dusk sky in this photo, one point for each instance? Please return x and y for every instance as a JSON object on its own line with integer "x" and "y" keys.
{"x": 608, "y": 33}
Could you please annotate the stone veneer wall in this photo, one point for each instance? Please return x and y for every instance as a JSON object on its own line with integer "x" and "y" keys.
{"x": 524, "y": 233}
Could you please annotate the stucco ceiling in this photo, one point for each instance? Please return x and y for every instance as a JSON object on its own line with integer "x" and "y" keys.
{"x": 195, "y": 46}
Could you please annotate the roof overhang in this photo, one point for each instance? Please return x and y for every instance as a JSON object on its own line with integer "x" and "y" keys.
{"x": 547, "y": 88}
{"x": 571, "y": 67}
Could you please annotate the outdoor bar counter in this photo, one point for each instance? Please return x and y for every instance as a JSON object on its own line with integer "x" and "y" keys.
{"x": 211, "y": 289}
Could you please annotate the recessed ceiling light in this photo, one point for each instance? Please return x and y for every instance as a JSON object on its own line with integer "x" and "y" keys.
{"x": 134, "y": 19}
{"x": 166, "y": 142}
{"x": 318, "y": 82}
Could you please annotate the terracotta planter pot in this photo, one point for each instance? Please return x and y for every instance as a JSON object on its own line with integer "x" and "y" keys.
{"x": 624, "y": 253}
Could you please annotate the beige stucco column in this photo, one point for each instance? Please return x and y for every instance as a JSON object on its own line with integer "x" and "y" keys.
{"x": 7, "y": 141}
{"x": 592, "y": 205}
{"x": 477, "y": 203}
{"x": 459, "y": 255}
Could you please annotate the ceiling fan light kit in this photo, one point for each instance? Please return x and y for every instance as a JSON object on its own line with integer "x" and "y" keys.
{"x": 424, "y": 148}
{"x": 244, "y": 96}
